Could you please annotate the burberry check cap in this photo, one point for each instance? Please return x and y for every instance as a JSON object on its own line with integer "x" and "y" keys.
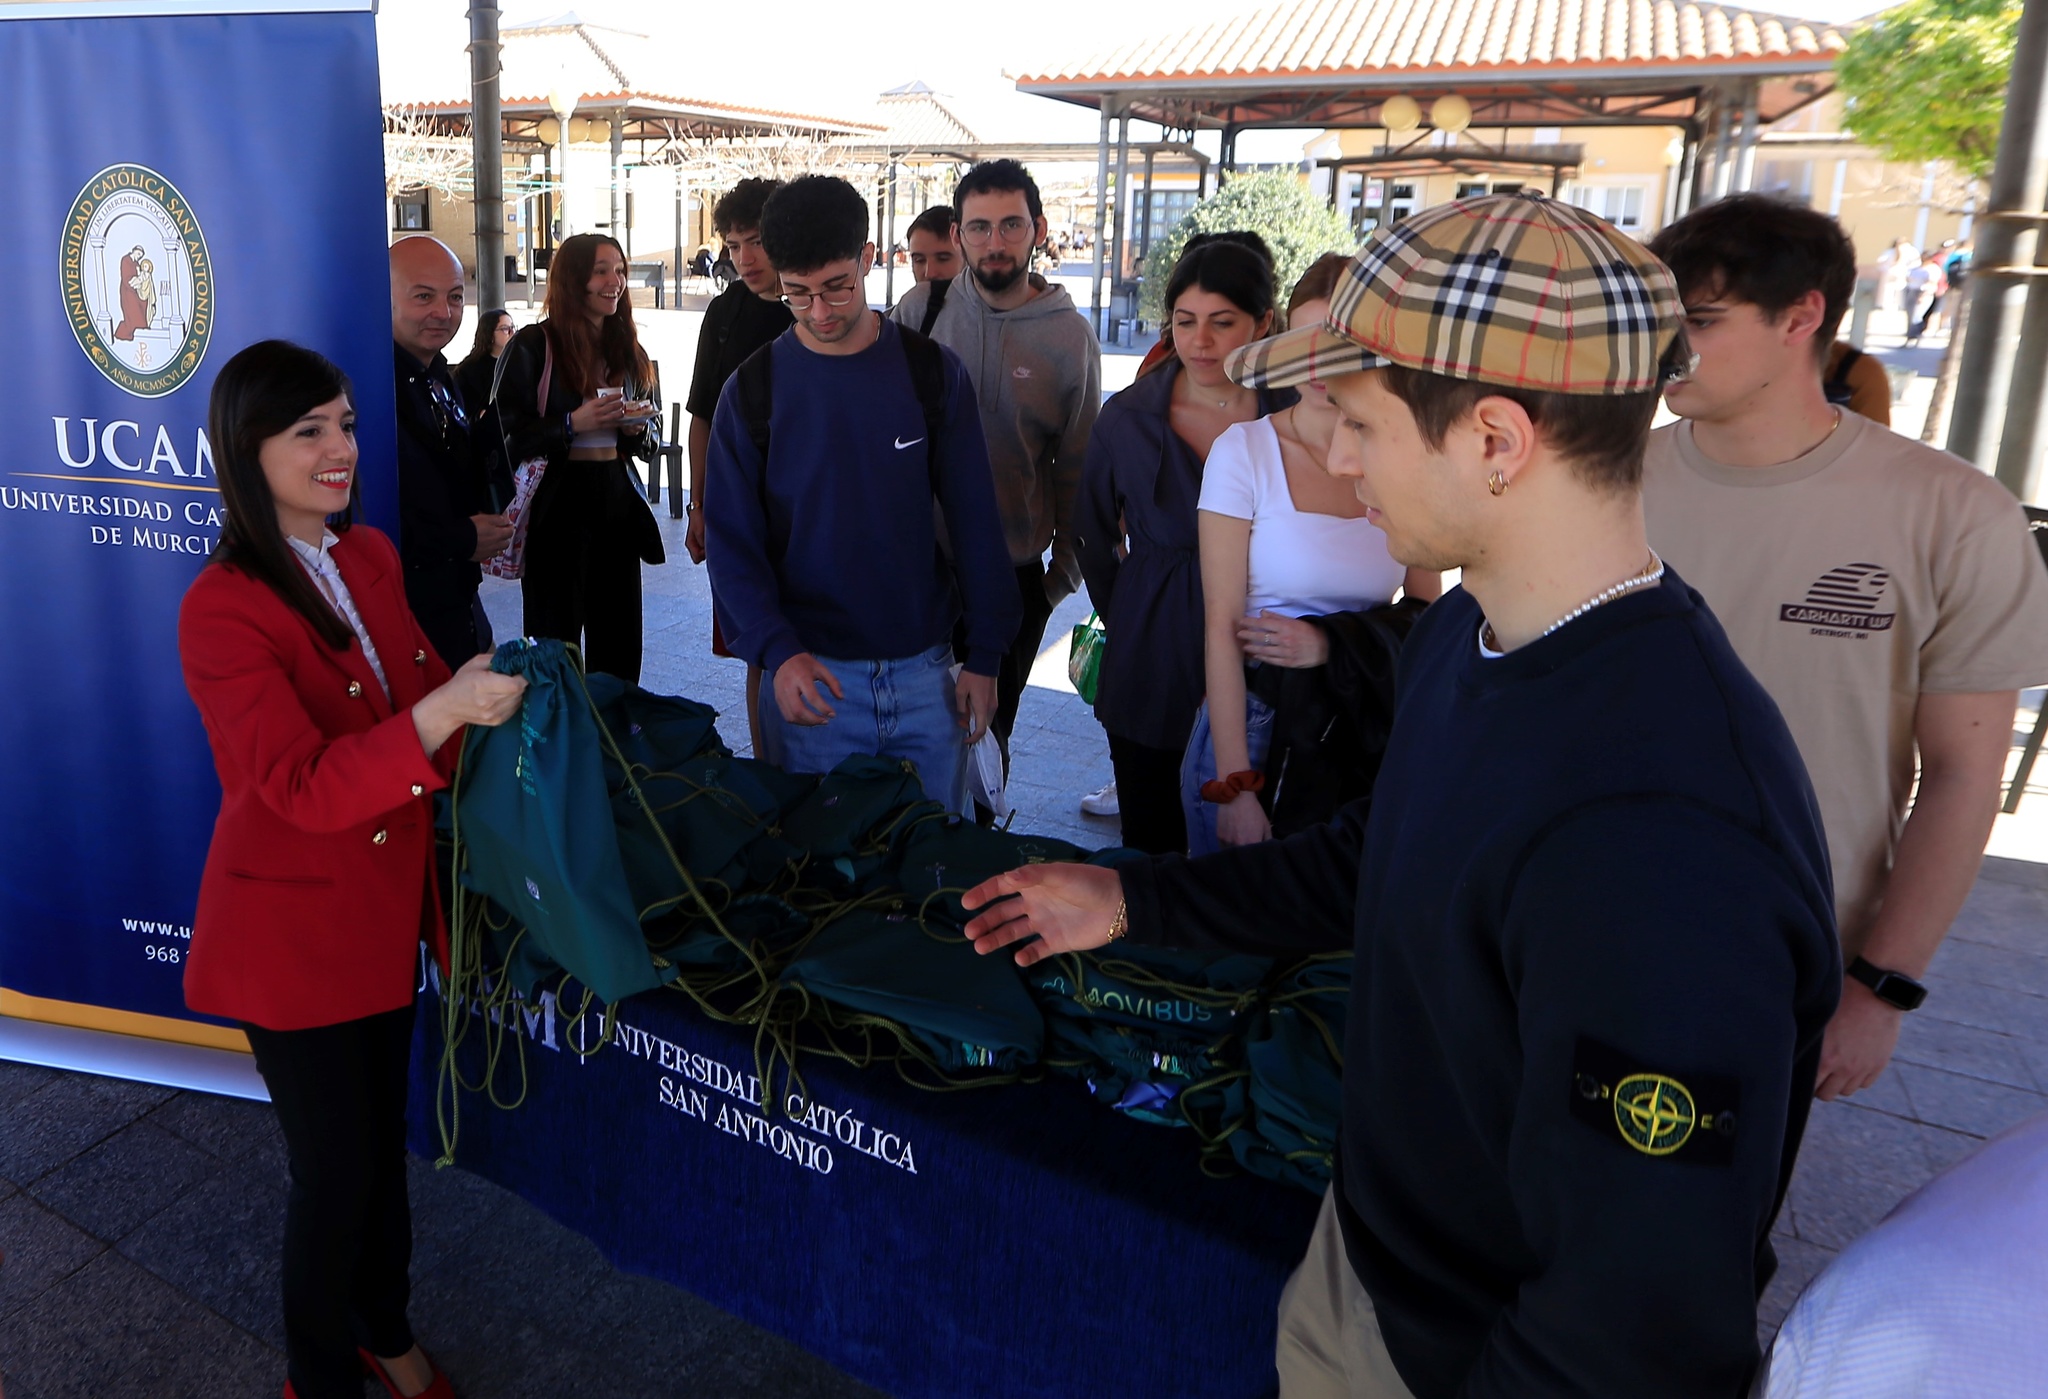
{"x": 1514, "y": 289}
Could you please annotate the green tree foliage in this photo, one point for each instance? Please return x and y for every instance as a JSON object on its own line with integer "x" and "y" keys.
{"x": 1926, "y": 81}
{"x": 1279, "y": 208}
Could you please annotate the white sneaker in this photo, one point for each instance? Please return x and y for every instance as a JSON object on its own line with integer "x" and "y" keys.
{"x": 1102, "y": 803}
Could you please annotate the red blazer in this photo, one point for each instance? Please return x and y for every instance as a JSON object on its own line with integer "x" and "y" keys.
{"x": 319, "y": 884}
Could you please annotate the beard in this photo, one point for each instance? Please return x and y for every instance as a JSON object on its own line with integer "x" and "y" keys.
{"x": 1001, "y": 279}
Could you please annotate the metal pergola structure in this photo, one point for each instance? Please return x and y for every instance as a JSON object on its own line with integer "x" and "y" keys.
{"x": 652, "y": 129}
{"x": 1717, "y": 103}
{"x": 953, "y": 155}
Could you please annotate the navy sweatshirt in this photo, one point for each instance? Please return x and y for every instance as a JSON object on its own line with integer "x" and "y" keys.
{"x": 1595, "y": 953}
{"x": 833, "y": 548}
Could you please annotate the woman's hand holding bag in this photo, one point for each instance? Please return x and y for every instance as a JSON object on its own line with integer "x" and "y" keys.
{"x": 476, "y": 694}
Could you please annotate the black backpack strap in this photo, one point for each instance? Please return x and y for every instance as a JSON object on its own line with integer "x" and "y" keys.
{"x": 927, "y": 364}
{"x": 756, "y": 376}
{"x": 935, "y": 301}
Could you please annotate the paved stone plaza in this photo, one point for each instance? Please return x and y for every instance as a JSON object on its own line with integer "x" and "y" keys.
{"x": 141, "y": 1225}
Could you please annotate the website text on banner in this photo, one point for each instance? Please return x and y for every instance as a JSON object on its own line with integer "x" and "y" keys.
{"x": 222, "y": 183}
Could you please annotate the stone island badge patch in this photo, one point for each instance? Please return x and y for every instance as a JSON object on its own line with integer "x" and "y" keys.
{"x": 1684, "y": 1116}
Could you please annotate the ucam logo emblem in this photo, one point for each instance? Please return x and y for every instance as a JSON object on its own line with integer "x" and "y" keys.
{"x": 1843, "y": 602}
{"x": 137, "y": 280}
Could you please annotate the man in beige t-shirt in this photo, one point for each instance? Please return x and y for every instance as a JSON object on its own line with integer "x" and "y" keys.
{"x": 1885, "y": 593}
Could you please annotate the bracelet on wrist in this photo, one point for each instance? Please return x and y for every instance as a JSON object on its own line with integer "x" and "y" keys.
{"x": 1121, "y": 922}
{"x": 1224, "y": 790}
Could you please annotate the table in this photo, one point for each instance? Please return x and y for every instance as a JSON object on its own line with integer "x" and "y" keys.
{"x": 1013, "y": 1241}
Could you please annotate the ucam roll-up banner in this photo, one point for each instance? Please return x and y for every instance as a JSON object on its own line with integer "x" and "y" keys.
{"x": 187, "y": 179}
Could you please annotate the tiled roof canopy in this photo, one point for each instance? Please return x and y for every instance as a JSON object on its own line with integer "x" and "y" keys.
{"x": 1531, "y": 48}
{"x": 610, "y": 70}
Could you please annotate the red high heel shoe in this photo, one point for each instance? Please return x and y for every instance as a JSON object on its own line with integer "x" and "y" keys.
{"x": 439, "y": 1388}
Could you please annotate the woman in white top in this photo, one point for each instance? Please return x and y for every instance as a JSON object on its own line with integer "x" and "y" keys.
{"x": 1280, "y": 539}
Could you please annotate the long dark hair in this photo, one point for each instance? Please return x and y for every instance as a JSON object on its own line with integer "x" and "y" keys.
{"x": 486, "y": 328}
{"x": 259, "y": 394}
{"x": 588, "y": 356}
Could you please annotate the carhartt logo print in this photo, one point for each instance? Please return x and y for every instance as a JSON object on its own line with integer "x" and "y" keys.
{"x": 1844, "y": 602}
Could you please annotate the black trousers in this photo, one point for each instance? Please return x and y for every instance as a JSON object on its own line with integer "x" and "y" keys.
{"x": 582, "y": 579}
{"x": 1148, "y": 795}
{"x": 1015, "y": 669}
{"x": 339, "y": 1091}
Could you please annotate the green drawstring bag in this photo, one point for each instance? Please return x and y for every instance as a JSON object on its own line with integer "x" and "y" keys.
{"x": 961, "y": 1012}
{"x": 653, "y": 732}
{"x": 1275, "y": 1108}
{"x": 1140, "y": 1073}
{"x": 719, "y": 814}
{"x": 848, "y": 826}
{"x": 1295, "y": 1087}
{"x": 533, "y": 825}
{"x": 939, "y": 862}
{"x": 1084, "y": 656}
{"x": 757, "y": 925}
{"x": 1193, "y": 996}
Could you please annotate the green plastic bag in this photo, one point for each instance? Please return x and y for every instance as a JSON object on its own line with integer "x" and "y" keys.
{"x": 1084, "y": 656}
{"x": 534, "y": 826}
{"x": 966, "y": 1012}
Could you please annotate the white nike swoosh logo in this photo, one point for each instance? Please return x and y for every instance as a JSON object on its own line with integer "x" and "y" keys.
{"x": 901, "y": 444}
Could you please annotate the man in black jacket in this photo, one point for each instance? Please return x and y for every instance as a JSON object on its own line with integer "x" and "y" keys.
{"x": 446, "y": 523}
{"x": 1588, "y": 898}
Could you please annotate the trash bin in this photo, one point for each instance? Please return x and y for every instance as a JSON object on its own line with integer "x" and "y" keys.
{"x": 1124, "y": 331}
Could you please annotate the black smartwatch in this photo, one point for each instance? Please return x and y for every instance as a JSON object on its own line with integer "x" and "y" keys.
{"x": 1894, "y": 989}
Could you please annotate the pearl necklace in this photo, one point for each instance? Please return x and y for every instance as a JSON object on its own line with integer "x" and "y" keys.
{"x": 1652, "y": 574}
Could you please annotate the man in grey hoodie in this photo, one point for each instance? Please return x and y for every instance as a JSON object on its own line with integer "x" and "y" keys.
{"x": 1037, "y": 374}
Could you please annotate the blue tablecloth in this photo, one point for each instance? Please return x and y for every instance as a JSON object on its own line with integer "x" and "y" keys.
{"x": 1013, "y": 1241}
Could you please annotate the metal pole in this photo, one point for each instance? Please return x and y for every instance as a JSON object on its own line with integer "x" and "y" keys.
{"x": 1095, "y": 311}
{"x": 679, "y": 238}
{"x": 1723, "y": 135}
{"x": 1745, "y": 156}
{"x": 2008, "y": 243}
{"x": 1117, "y": 278}
{"x": 487, "y": 153}
{"x": 1688, "y": 173}
{"x": 1145, "y": 209}
{"x": 619, "y": 229}
{"x": 889, "y": 239}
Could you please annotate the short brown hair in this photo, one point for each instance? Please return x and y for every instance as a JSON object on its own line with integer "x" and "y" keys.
{"x": 1318, "y": 282}
{"x": 1602, "y": 435}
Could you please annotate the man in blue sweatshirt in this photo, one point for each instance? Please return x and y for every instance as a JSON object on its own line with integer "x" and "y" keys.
{"x": 1589, "y": 896}
{"x": 828, "y": 567}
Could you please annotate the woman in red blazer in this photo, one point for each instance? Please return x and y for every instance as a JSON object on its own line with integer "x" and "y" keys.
{"x": 331, "y": 721}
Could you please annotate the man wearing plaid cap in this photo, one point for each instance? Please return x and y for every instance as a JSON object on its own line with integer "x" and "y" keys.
{"x": 1589, "y": 897}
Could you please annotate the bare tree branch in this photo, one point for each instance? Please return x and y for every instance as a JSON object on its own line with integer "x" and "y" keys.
{"x": 424, "y": 149}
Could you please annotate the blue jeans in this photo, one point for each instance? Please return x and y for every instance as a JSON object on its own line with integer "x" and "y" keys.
{"x": 1199, "y": 766}
{"x": 891, "y": 709}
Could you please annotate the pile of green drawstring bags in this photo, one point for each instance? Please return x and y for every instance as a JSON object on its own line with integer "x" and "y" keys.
{"x": 608, "y": 836}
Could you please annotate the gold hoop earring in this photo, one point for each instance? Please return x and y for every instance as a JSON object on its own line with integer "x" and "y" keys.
{"x": 1497, "y": 483}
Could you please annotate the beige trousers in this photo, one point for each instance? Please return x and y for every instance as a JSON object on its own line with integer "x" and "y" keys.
{"x": 1330, "y": 1345}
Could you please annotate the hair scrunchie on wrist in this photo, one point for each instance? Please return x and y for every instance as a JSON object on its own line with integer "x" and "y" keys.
{"x": 1223, "y": 790}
